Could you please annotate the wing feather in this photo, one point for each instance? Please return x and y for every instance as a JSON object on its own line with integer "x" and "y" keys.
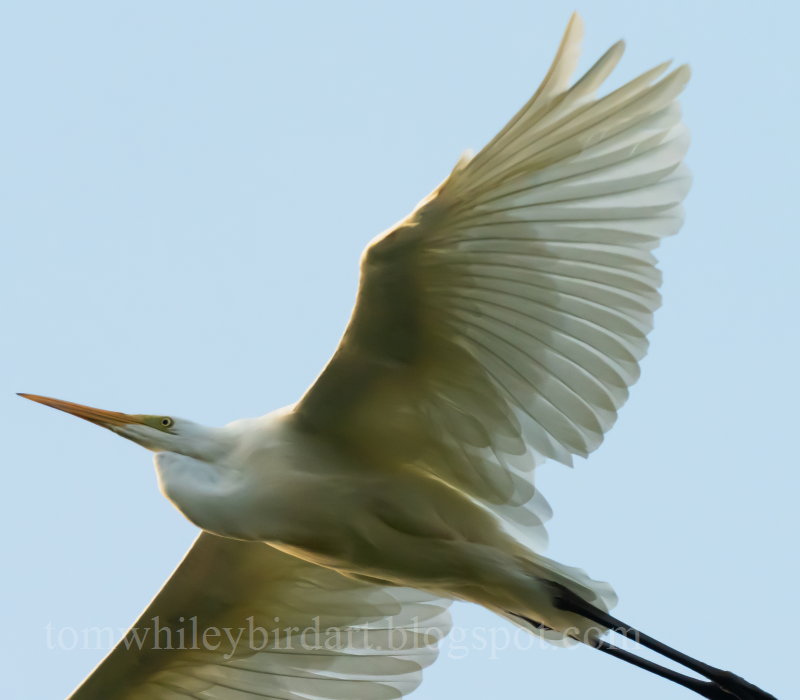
{"x": 322, "y": 633}
{"x": 503, "y": 321}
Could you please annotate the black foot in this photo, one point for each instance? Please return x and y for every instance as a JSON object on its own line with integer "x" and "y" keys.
{"x": 734, "y": 686}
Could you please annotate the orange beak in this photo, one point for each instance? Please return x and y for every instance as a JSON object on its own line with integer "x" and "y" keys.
{"x": 106, "y": 419}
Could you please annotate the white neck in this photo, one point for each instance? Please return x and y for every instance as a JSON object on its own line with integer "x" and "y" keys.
{"x": 185, "y": 437}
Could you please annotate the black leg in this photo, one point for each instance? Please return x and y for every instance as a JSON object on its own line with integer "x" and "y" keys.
{"x": 736, "y": 686}
{"x": 707, "y": 689}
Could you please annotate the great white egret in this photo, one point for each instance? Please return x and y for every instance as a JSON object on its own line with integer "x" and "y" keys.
{"x": 498, "y": 325}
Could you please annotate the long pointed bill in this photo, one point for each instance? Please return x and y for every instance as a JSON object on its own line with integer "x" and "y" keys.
{"x": 105, "y": 419}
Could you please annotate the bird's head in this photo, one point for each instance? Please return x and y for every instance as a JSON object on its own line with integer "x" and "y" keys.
{"x": 156, "y": 433}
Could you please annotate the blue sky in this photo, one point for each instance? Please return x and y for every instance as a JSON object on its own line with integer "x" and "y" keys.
{"x": 184, "y": 193}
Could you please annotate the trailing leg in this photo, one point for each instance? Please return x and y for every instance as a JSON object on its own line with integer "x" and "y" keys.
{"x": 732, "y": 685}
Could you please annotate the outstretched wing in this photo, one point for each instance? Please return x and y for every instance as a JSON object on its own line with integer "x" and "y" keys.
{"x": 241, "y": 619}
{"x": 502, "y": 322}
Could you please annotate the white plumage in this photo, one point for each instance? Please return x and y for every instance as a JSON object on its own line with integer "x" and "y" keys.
{"x": 501, "y": 323}
{"x": 225, "y": 584}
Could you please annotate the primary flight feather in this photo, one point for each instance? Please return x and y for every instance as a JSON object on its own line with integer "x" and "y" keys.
{"x": 498, "y": 325}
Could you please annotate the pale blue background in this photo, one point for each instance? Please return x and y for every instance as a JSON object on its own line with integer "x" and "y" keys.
{"x": 186, "y": 188}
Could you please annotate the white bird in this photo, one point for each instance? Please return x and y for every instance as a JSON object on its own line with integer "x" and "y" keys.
{"x": 498, "y": 325}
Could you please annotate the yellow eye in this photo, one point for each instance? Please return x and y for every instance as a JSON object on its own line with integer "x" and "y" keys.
{"x": 166, "y": 422}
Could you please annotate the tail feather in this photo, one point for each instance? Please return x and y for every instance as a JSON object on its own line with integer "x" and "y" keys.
{"x": 575, "y": 582}
{"x": 598, "y": 593}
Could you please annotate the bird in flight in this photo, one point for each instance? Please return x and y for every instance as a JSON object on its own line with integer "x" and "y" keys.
{"x": 497, "y": 326}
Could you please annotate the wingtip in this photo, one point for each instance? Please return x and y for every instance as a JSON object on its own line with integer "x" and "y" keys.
{"x": 575, "y": 18}
{"x": 575, "y": 26}
{"x": 612, "y": 56}
{"x": 679, "y": 75}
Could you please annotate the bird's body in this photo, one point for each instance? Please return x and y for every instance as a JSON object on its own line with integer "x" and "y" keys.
{"x": 273, "y": 480}
{"x": 500, "y": 324}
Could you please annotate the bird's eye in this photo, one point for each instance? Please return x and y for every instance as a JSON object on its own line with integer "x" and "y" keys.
{"x": 167, "y": 422}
